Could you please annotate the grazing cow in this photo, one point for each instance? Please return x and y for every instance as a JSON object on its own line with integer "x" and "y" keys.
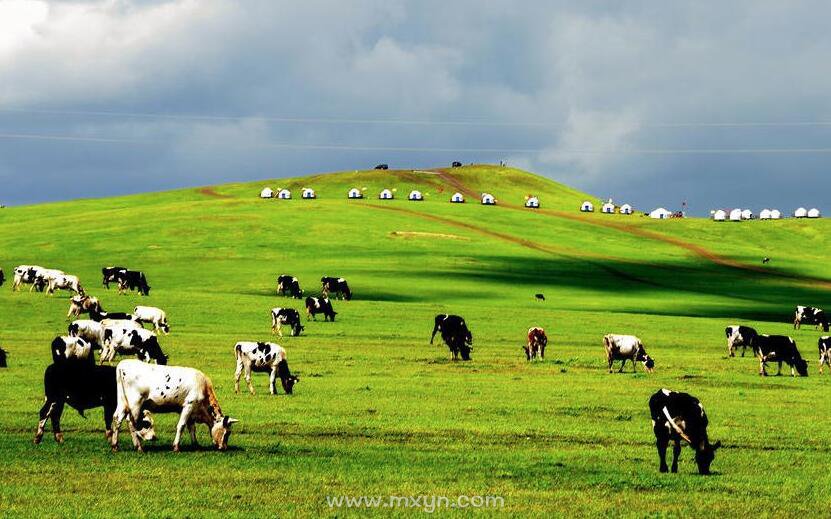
{"x": 537, "y": 341}
{"x": 3, "y": 355}
{"x": 2, "y": 277}
{"x": 262, "y": 357}
{"x": 824, "y": 344}
{"x": 289, "y": 285}
{"x": 677, "y": 416}
{"x": 71, "y": 348}
{"x": 82, "y": 387}
{"x": 320, "y": 305}
{"x": 97, "y": 314}
{"x": 113, "y": 275}
{"x": 456, "y": 164}
{"x": 738, "y": 335}
{"x": 134, "y": 280}
{"x": 810, "y": 315}
{"x": 455, "y": 334}
{"x": 26, "y": 274}
{"x": 779, "y": 348}
{"x": 89, "y": 330}
{"x": 382, "y": 166}
{"x": 82, "y": 304}
{"x": 288, "y": 316}
{"x": 64, "y": 282}
{"x": 44, "y": 278}
{"x": 626, "y": 347}
{"x": 166, "y": 389}
{"x": 539, "y": 297}
{"x": 132, "y": 341}
{"x": 337, "y": 286}
{"x": 765, "y": 260}
{"x": 152, "y": 315}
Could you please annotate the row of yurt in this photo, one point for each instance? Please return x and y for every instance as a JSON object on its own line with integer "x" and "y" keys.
{"x": 284, "y": 194}
{"x": 388, "y": 194}
{"x": 607, "y": 208}
{"x": 807, "y": 213}
{"x": 770, "y": 214}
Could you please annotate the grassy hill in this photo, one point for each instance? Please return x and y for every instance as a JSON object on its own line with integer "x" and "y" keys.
{"x": 381, "y": 412}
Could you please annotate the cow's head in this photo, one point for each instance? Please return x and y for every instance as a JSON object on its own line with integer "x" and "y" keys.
{"x": 297, "y": 328}
{"x": 801, "y": 367}
{"x": 286, "y": 378}
{"x": 221, "y": 431}
{"x": 145, "y": 426}
{"x": 704, "y": 456}
{"x": 648, "y": 363}
{"x": 108, "y": 335}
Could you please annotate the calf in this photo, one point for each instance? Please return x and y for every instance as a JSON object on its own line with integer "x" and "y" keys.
{"x": 165, "y": 389}
{"x": 810, "y": 315}
{"x": 455, "y": 334}
{"x": 152, "y": 315}
{"x": 82, "y": 304}
{"x": 824, "y": 344}
{"x": 289, "y": 285}
{"x": 68, "y": 348}
{"x": 288, "y": 316}
{"x": 134, "y": 280}
{"x": 89, "y": 330}
{"x": 626, "y": 347}
{"x": 779, "y": 348}
{"x": 677, "y": 416}
{"x": 320, "y": 305}
{"x": 263, "y": 356}
{"x": 64, "y": 282}
{"x": 131, "y": 341}
{"x": 739, "y": 336}
{"x": 338, "y": 286}
{"x": 537, "y": 341}
{"x": 113, "y": 275}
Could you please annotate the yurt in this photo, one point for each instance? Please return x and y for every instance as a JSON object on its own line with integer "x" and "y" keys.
{"x": 800, "y": 213}
{"x": 813, "y": 213}
{"x": 736, "y": 215}
{"x": 532, "y": 202}
{"x": 355, "y": 193}
{"x": 457, "y": 198}
{"x": 415, "y": 195}
{"x": 775, "y": 214}
{"x": 386, "y": 194}
{"x": 660, "y": 214}
{"x": 587, "y": 207}
{"x": 626, "y": 209}
{"x": 284, "y": 194}
{"x": 488, "y": 199}
{"x": 608, "y": 208}
{"x": 764, "y": 214}
{"x": 719, "y": 215}
{"x": 308, "y": 193}
{"x": 267, "y": 192}
{"x": 747, "y": 214}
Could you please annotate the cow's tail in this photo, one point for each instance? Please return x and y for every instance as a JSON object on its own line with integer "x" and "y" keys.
{"x": 237, "y": 351}
{"x": 120, "y": 391}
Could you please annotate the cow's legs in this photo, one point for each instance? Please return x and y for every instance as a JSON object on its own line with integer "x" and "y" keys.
{"x": 45, "y": 412}
{"x": 762, "y": 371}
{"x": 183, "y": 421}
{"x": 278, "y": 329}
{"x": 237, "y": 375}
{"x": 192, "y": 431}
{"x": 542, "y": 352}
{"x": 779, "y": 371}
{"x": 661, "y": 442}
{"x": 622, "y": 363}
{"x": 248, "y": 379}
{"x": 610, "y": 361}
{"x": 119, "y": 415}
{"x": 676, "y": 451}
{"x": 744, "y": 348}
{"x": 272, "y": 380}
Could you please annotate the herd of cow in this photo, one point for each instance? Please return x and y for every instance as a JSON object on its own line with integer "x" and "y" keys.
{"x": 134, "y": 389}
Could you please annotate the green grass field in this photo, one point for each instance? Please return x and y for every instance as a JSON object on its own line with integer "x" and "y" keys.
{"x": 378, "y": 410}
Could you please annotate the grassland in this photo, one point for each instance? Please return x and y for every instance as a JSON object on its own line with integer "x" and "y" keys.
{"x": 378, "y": 410}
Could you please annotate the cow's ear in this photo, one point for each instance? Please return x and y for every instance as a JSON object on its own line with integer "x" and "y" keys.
{"x": 229, "y": 421}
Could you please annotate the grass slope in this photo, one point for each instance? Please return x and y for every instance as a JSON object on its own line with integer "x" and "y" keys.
{"x": 381, "y": 412}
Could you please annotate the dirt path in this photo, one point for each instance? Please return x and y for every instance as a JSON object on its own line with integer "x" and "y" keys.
{"x": 209, "y": 191}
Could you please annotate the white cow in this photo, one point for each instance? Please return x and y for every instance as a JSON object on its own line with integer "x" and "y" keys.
{"x": 263, "y": 356}
{"x": 25, "y": 274}
{"x": 626, "y": 347}
{"x": 64, "y": 282}
{"x": 71, "y": 348}
{"x": 155, "y": 316}
{"x": 151, "y": 387}
{"x": 45, "y": 276}
{"x": 87, "y": 329}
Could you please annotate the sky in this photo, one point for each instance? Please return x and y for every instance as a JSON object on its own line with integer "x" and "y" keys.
{"x": 721, "y": 104}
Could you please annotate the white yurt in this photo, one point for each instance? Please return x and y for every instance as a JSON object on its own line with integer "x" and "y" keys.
{"x": 660, "y": 214}
{"x": 267, "y": 192}
{"x": 813, "y": 213}
{"x": 608, "y": 208}
{"x": 765, "y": 214}
{"x": 284, "y": 194}
{"x": 308, "y": 193}
{"x": 415, "y": 195}
{"x": 775, "y": 214}
{"x": 355, "y": 193}
{"x": 488, "y": 199}
{"x": 532, "y": 202}
{"x": 386, "y": 194}
{"x": 800, "y": 213}
{"x": 587, "y": 207}
{"x": 747, "y": 214}
{"x": 719, "y": 215}
{"x": 735, "y": 215}
{"x": 457, "y": 198}
{"x": 626, "y": 209}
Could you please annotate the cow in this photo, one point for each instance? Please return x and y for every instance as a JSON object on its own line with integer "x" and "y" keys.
{"x": 165, "y": 389}
{"x": 82, "y": 387}
{"x": 539, "y": 297}
{"x": 113, "y": 275}
{"x": 288, "y": 316}
{"x": 263, "y": 357}
{"x": 3, "y": 355}
{"x": 456, "y": 164}
{"x": 810, "y": 315}
{"x": 289, "y": 285}
{"x": 382, "y": 166}
{"x": 132, "y": 341}
{"x": 337, "y": 286}
{"x": 2, "y": 277}
{"x": 134, "y": 280}
{"x": 320, "y": 305}
{"x": 779, "y": 348}
{"x": 677, "y": 416}
{"x": 45, "y": 277}
{"x": 824, "y": 344}
{"x": 98, "y": 314}
{"x": 537, "y": 341}
{"x": 72, "y": 348}
{"x": 155, "y": 316}
{"x": 82, "y": 304}
{"x": 738, "y": 335}
{"x": 626, "y": 347}
{"x": 64, "y": 282}
{"x": 455, "y": 334}
{"x": 89, "y": 330}
{"x": 26, "y": 274}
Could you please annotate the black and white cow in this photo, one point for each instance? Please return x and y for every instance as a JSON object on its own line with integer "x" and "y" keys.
{"x": 82, "y": 387}
{"x": 455, "y": 334}
{"x": 285, "y": 316}
{"x": 166, "y": 389}
{"x": 134, "y": 280}
{"x": 64, "y": 282}
{"x": 680, "y": 416}
{"x": 320, "y": 305}
{"x": 626, "y": 347}
{"x": 142, "y": 343}
{"x": 27, "y": 275}
{"x": 72, "y": 348}
{"x": 97, "y": 314}
{"x": 113, "y": 275}
{"x": 289, "y": 285}
{"x": 263, "y": 357}
{"x": 89, "y": 330}
{"x": 738, "y": 335}
{"x": 337, "y": 286}
{"x": 779, "y": 348}
{"x": 810, "y": 315}
{"x": 824, "y": 344}
{"x": 82, "y": 304}
{"x": 152, "y": 315}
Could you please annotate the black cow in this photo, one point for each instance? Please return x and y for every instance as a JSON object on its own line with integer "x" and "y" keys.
{"x": 455, "y": 334}
{"x": 781, "y": 349}
{"x": 134, "y": 280}
{"x": 3, "y": 355}
{"x": 810, "y": 315}
{"x": 382, "y": 166}
{"x": 289, "y": 284}
{"x": 738, "y": 335}
{"x": 824, "y": 344}
{"x": 2, "y": 277}
{"x": 285, "y": 316}
{"x": 677, "y": 416}
{"x": 337, "y": 286}
{"x": 113, "y": 275}
{"x": 456, "y": 164}
{"x": 99, "y": 315}
{"x": 320, "y": 305}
